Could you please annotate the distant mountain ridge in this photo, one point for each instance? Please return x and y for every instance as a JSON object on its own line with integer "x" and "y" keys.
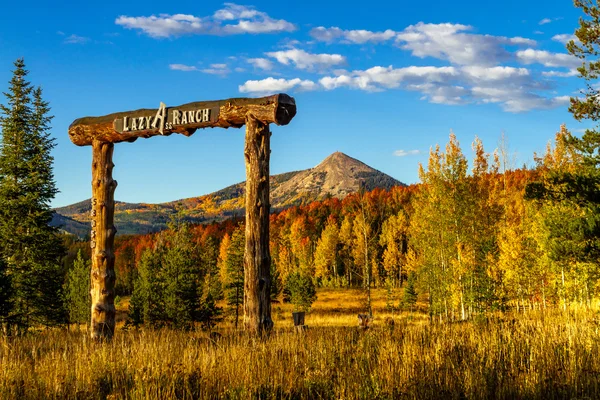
{"x": 336, "y": 176}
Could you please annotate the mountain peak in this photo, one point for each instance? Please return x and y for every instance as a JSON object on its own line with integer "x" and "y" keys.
{"x": 339, "y": 158}
{"x": 337, "y": 175}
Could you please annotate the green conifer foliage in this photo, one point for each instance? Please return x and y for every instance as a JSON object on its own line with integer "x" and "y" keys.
{"x": 410, "y": 292}
{"x": 234, "y": 264}
{"x": 30, "y": 247}
{"x": 171, "y": 287}
{"x": 77, "y": 291}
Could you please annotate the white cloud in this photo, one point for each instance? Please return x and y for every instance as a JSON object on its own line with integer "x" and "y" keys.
{"x": 565, "y": 38}
{"x": 513, "y": 89}
{"x": 548, "y": 59}
{"x": 231, "y": 20}
{"x": 261, "y": 63}
{"x": 308, "y": 61}
{"x": 498, "y": 73}
{"x": 233, "y": 11}
{"x": 517, "y": 100}
{"x": 454, "y": 43}
{"x": 404, "y": 153}
{"x": 216, "y": 69}
{"x": 272, "y": 85}
{"x": 545, "y": 21}
{"x": 165, "y": 25}
{"x": 182, "y": 67}
{"x": 76, "y": 39}
{"x": 560, "y": 74}
{"x": 359, "y": 36}
{"x": 378, "y": 78}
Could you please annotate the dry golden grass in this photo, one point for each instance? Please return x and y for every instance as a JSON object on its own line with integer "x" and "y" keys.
{"x": 539, "y": 356}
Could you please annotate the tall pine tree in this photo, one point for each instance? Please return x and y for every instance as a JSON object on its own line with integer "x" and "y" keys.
{"x": 29, "y": 246}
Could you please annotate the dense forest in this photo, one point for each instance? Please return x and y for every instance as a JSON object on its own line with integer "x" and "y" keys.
{"x": 470, "y": 238}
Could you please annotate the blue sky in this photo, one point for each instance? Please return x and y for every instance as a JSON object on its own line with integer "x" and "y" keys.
{"x": 380, "y": 81}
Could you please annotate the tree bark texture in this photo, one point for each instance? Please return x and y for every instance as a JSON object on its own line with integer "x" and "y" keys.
{"x": 257, "y": 257}
{"x": 102, "y": 242}
{"x": 278, "y": 109}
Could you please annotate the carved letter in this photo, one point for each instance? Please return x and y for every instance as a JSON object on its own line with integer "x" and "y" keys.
{"x": 148, "y": 121}
{"x": 133, "y": 124}
{"x": 191, "y": 118}
{"x": 184, "y": 118}
{"x": 206, "y": 115}
{"x": 125, "y": 127}
{"x": 176, "y": 116}
{"x": 141, "y": 123}
{"x": 160, "y": 116}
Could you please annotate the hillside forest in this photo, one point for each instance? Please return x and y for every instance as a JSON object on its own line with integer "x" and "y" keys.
{"x": 471, "y": 238}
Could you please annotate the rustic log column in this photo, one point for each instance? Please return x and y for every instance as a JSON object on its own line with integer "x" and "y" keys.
{"x": 257, "y": 257}
{"x": 102, "y": 282}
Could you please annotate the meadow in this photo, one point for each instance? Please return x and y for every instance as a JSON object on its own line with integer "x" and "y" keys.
{"x": 532, "y": 355}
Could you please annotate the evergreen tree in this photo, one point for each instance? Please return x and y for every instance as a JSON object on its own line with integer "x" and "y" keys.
{"x": 77, "y": 291}
{"x": 171, "y": 287}
{"x": 210, "y": 257}
{"x": 410, "y": 292}
{"x": 234, "y": 264}
{"x": 30, "y": 247}
{"x": 302, "y": 291}
{"x": 147, "y": 301}
{"x": 182, "y": 278}
{"x": 568, "y": 199}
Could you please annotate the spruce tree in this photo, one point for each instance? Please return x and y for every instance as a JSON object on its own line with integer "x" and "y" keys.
{"x": 234, "y": 264}
{"x": 77, "y": 291}
{"x": 147, "y": 301}
{"x": 183, "y": 277}
{"x": 410, "y": 293}
{"x": 302, "y": 290}
{"x": 569, "y": 194}
{"x": 30, "y": 247}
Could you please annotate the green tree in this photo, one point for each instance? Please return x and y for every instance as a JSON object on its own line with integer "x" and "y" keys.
{"x": 77, "y": 291}
{"x": 301, "y": 290}
{"x": 30, "y": 247}
{"x": 209, "y": 254}
{"x": 568, "y": 199}
{"x": 410, "y": 292}
{"x": 171, "y": 288}
{"x": 234, "y": 270}
{"x": 147, "y": 301}
{"x": 182, "y": 277}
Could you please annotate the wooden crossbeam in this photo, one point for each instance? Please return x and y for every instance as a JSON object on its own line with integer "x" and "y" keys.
{"x": 128, "y": 126}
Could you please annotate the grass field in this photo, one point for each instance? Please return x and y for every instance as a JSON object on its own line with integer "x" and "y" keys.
{"x": 536, "y": 355}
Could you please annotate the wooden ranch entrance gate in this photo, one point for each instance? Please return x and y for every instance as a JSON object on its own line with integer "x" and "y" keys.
{"x": 103, "y": 132}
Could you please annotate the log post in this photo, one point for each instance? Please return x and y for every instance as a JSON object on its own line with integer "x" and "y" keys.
{"x": 257, "y": 257}
{"x": 102, "y": 283}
